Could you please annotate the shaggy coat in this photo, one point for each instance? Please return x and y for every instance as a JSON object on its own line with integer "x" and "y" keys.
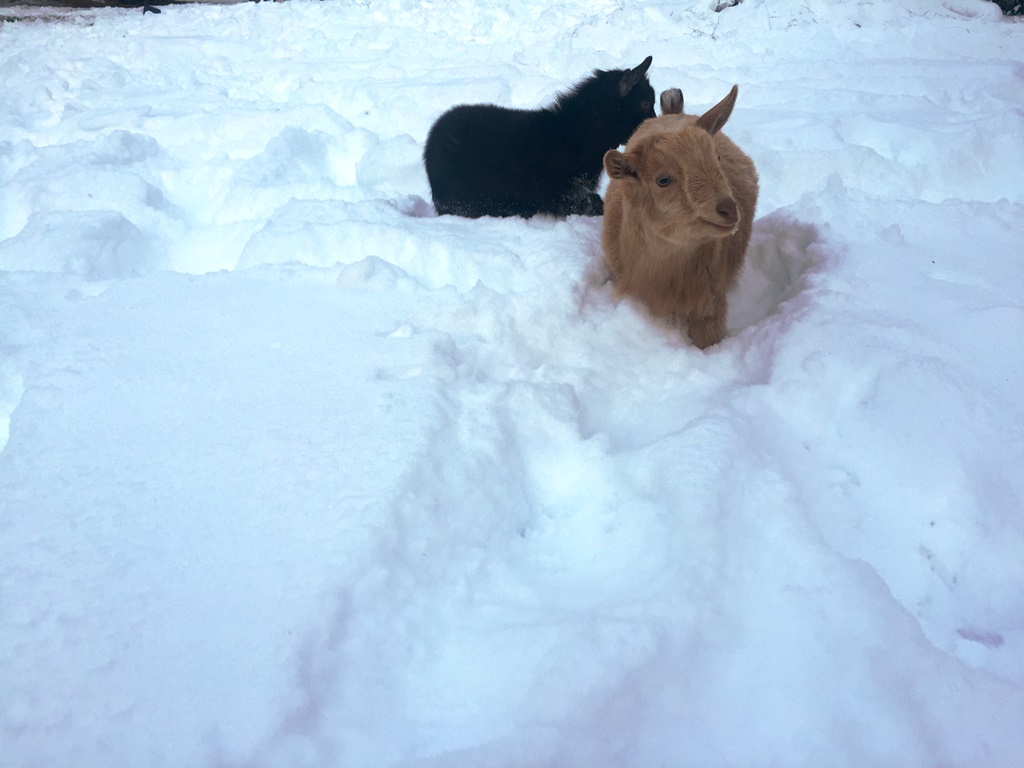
{"x": 485, "y": 160}
{"x": 678, "y": 216}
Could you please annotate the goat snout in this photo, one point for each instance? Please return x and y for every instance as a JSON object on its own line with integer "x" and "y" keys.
{"x": 728, "y": 213}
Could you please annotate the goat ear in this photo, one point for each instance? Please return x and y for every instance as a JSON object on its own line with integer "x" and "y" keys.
{"x": 714, "y": 119}
{"x": 631, "y": 77}
{"x": 618, "y": 165}
{"x": 672, "y": 102}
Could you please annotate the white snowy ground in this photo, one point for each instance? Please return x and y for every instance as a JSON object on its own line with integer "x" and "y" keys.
{"x": 295, "y": 473}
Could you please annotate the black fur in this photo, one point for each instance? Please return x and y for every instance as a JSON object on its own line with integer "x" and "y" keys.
{"x": 485, "y": 160}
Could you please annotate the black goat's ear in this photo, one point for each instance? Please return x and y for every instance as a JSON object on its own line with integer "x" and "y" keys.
{"x": 714, "y": 119}
{"x": 631, "y": 77}
{"x": 618, "y": 165}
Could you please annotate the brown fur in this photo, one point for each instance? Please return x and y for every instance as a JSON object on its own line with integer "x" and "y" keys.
{"x": 678, "y": 247}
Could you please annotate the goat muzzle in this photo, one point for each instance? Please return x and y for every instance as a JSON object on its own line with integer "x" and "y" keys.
{"x": 727, "y": 212}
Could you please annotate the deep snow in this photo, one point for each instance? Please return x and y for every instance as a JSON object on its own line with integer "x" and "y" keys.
{"x": 296, "y": 473}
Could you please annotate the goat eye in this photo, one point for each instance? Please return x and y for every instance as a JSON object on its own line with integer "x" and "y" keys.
{"x": 664, "y": 181}
{"x": 644, "y": 106}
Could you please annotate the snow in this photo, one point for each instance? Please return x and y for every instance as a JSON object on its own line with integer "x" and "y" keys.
{"x": 294, "y": 472}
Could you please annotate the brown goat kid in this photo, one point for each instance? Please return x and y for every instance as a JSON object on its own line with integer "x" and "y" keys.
{"x": 678, "y": 215}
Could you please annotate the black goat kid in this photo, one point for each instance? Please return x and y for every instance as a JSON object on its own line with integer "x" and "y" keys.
{"x": 486, "y": 160}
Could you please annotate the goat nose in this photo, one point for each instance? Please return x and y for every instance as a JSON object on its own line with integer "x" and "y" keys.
{"x": 726, "y": 209}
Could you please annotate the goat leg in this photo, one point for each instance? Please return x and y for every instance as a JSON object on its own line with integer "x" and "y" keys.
{"x": 706, "y": 330}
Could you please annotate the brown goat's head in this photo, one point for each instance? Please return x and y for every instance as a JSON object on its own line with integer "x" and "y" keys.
{"x": 675, "y": 177}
